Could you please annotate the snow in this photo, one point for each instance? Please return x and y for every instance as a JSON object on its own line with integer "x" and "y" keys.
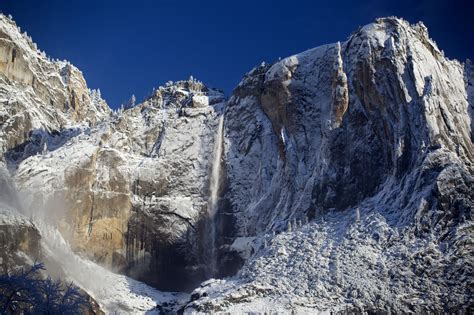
{"x": 200, "y": 100}
{"x": 10, "y": 216}
{"x": 336, "y": 264}
{"x": 377, "y": 33}
{"x": 243, "y": 246}
{"x": 116, "y": 294}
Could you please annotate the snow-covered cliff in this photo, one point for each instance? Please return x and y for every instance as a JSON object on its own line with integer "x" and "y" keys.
{"x": 345, "y": 181}
{"x": 347, "y": 120}
{"x": 371, "y": 140}
{"x": 39, "y": 94}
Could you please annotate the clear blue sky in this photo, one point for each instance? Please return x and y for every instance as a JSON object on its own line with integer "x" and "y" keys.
{"x": 128, "y": 47}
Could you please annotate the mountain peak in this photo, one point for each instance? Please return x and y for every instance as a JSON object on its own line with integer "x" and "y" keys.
{"x": 190, "y": 92}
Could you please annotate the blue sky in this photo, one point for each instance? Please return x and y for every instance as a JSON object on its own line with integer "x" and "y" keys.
{"x": 128, "y": 47}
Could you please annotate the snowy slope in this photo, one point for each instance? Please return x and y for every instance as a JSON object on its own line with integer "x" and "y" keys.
{"x": 115, "y": 293}
{"x": 339, "y": 263}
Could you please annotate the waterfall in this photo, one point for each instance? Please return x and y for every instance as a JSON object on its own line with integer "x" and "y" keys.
{"x": 213, "y": 196}
{"x": 216, "y": 170}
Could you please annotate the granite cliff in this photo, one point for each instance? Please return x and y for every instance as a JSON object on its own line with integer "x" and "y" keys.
{"x": 347, "y": 169}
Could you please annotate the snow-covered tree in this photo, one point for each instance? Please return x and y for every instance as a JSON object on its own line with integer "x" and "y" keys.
{"x": 28, "y": 293}
{"x": 43, "y": 144}
{"x": 130, "y": 103}
{"x": 44, "y": 149}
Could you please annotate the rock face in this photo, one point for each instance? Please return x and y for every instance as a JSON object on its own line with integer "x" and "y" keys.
{"x": 19, "y": 241}
{"x": 136, "y": 185}
{"x": 38, "y": 94}
{"x": 381, "y": 126}
{"x": 19, "y": 238}
{"x": 347, "y": 120}
{"x": 370, "y": 139}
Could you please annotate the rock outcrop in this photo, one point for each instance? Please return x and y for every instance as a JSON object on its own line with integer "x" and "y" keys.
{"x": 38, "y": 94}
{"x": 19, "y": 241}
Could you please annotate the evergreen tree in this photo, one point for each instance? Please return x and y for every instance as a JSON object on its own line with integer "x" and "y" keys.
{"x": 130, "y": 103}
{"x": 28, "y": 293}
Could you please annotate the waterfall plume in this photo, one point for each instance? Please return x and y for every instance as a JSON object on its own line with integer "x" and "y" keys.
{"x": 213, "y": 196}
{"x": 216, "y": 170}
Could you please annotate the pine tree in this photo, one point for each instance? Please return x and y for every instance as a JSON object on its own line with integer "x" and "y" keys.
{"x": 130, "y": 103}
{"x": 45, "y": 148}
{"x": 28, "y": 293}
